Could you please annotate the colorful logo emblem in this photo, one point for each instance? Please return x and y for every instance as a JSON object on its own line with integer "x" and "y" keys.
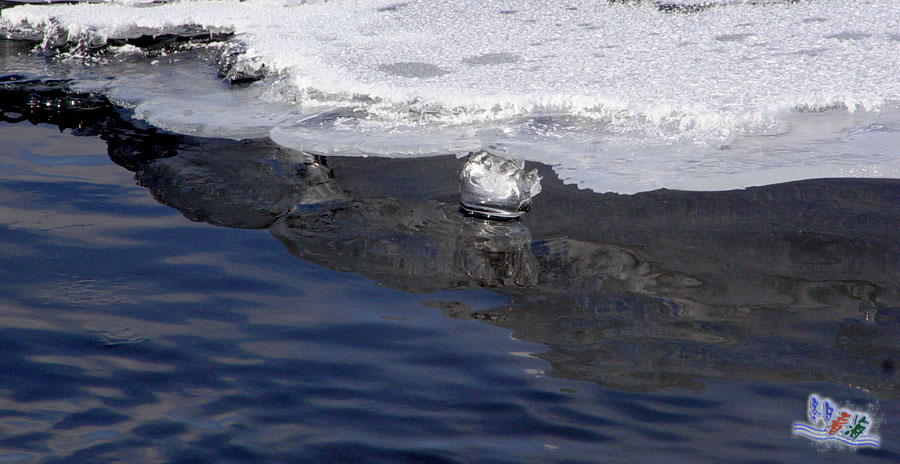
{"x": 828, "y": 423}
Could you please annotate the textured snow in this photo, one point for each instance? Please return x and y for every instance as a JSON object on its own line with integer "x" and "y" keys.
{"x": 617, "y": 96}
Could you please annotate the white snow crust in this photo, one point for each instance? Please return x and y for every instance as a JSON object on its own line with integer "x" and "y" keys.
{"x": 616, "y": 96}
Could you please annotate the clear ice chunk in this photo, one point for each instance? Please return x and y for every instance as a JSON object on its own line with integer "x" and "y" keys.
{"x": 495, "y": 187}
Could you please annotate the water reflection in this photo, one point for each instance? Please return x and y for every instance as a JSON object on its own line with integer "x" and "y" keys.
{"x": 796, "y": 282}
{"x": 418, "y": 247}
{"x": 246, "y": 185}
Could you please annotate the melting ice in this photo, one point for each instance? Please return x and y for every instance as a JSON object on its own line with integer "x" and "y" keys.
{"x": 617, "y": 96}
{"x": 492, "y": 186}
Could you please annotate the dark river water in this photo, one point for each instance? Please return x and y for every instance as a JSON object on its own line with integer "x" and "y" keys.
{"x": 165, "y": 298}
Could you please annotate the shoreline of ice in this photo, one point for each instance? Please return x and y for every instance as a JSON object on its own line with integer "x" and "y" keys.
{"x": 617, "y": 97}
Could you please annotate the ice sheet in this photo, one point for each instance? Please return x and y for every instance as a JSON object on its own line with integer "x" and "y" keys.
{"x": 617, "y": 96}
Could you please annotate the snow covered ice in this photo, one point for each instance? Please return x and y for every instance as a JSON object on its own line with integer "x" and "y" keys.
{"x": 616, "y": 96}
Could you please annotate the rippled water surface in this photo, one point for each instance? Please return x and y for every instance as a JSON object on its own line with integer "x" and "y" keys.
{"x": 165, "y": 298}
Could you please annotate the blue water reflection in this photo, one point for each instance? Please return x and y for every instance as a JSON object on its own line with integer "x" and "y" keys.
{"x": 669, "y": 327}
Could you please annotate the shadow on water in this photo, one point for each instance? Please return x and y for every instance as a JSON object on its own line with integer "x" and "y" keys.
{"x": 787, "y": 283}
{"x": 635, "y": 292}
{"x": 647, "y": 291}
